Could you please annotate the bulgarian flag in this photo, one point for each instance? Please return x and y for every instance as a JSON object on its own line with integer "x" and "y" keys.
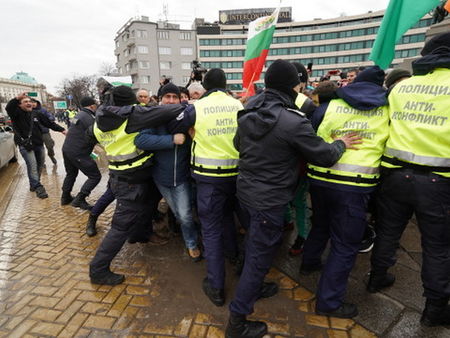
{"x": 400, "y": 16}
{"x": 260, "y": 33}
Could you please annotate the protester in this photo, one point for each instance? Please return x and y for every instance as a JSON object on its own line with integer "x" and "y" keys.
{"x": 28, "y": 136}
{"x": 46, "y": 137}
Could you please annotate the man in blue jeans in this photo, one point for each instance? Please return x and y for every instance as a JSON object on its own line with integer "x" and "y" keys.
{"x": 171, "y": 171}
{"x": 28, "y": 136}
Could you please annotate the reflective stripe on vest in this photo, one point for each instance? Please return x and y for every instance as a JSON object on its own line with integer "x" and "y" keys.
{"x": 120, "y": 150}
{"x": 420, "y": 122}
{"x": 213, "y": 152}
{"x": 355, "y": 167}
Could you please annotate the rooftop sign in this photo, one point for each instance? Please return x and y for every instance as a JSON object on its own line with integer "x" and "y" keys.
{"x": 244, "y": 16}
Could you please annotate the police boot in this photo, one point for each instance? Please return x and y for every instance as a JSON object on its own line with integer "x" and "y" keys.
{"x": 436, "y": 312}
{"x": 90, "y": 227}
{"x": 378, "y": 281}
{"x": 80, "y": 202}
{"x": 239, "y": 327}
{"x": 216, "y": 296}
{"x": 107, "y": 278}
{"x": 66, "y": 198}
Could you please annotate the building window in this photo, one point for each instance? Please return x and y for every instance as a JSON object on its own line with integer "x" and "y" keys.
{"x": 142, "y": 34}
{"x": 186, "y": 65}
{"x": 127, "y": 67}
{"x": 145, "y": 79}
{"x": 125, "y": 37}
{"x": 185, "y": 36}
{"x": 118, "y": 57}
{"x": 165, "y": 50}
{"x": 186, "y": 51}
{"x": 142, "y": 49}
{"x": 163, "y": 35}
{"x": 144, "y": 64}
{"x": 126, "y": 52}
{"x": 165, "y": 65}
{"x": 119, "y": 70}
{"x": 117, "y": 44}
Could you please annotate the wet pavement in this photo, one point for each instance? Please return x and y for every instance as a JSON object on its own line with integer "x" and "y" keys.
{"x": 45, "y": 289}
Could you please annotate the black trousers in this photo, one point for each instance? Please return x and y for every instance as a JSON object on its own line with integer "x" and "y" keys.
{"x": 132, "y": 219}
{"x": 402, "y": 193}
{"x": 87, "y": 166}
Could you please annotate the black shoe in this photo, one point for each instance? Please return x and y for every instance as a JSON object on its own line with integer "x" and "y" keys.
{"x": 80, "y": 202}
{"x": 216, "y": 296}
{"x": 40, "y": 192}
{"x": 90, "y": 227}
{"x": 368, "y": 240}
{"x": 66, "y": 198}
{"x": 346, "y": 310}
{"x": 108, "y": 278}
{"x": 239, "y": 327}
{"x": 306, "y": 269}
{"x": 268, "y": 289}
{"x": 377, "y": 282}
{"x": 32, "y": 189}
{"x": 436, "y": 313}
{"x": 53, "y": 159}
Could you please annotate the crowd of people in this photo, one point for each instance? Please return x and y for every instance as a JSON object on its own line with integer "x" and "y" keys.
{"x": 372, "y": 144}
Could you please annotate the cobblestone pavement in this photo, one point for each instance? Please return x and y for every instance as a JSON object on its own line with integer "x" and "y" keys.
{"x": 45, "y": 289}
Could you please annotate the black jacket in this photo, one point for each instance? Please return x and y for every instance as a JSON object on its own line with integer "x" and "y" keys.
{"x": 272, "y": 138}
{"x": 76, "y": 143}
{"x": 21, "y": 121}
{"x": 138, "y": 118}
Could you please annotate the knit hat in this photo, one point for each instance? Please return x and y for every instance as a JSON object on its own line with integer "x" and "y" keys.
{"x": 302, "y": 72}
{"x": 441, "y": 40}
{"x": 395, "y": 75}
{"x": 170, "y": 88}
{"x": 283, "y": 76}
{"x": 87, "y": 101}
{"x": 123, "y": 96}
{"x": 372, "y": 74}
{"x": 215, "y": 78}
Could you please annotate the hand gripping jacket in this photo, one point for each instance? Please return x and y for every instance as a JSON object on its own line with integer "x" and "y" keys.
{"x": 213, "y": 153}
{"x": 356, "y": 167}
{"x": 419, "y": 135}
{"x": 120, "y": 150}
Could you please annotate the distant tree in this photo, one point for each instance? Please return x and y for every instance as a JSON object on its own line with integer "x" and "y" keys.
{"x": 78, "y": 87}
{"x": 107, "y": 69}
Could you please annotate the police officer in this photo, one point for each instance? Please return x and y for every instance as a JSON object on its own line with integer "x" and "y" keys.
{"x": 117, "y": 124}
{"x": 272, "y": 137}
{"x": 76, "y": 153}
{"x": 339, "y": 194}
{"x": 69, "y": 115}
{"x": 416, "y": 178}
{"x": 214, "y": 163}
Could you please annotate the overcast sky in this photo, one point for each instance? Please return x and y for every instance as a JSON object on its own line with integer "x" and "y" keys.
{"x": 55, "y": 39}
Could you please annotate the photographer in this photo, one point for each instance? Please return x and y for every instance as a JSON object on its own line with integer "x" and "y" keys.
{"x": 28, "y": 136}
{"x": 197, "y": 73}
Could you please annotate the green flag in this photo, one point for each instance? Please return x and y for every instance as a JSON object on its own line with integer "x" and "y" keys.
{"x": 400, "y": 16}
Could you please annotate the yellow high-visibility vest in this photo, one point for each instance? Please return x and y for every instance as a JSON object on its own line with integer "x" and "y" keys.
{"x": 120, "y": 150}
{"x": 419, "y": 134}
{"x": 213, "y": 152}
{"x": 356, "y": 167}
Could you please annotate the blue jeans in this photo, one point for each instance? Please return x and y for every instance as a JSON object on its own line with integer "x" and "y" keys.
{"x": 179, "y": 199}
{"x": 34, "y": 160}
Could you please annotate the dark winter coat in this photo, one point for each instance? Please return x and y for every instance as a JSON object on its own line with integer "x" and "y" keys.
{"x": 22, "y": 121}
{"x": 272, "y": 137}
{"x": 76, "y": 144}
